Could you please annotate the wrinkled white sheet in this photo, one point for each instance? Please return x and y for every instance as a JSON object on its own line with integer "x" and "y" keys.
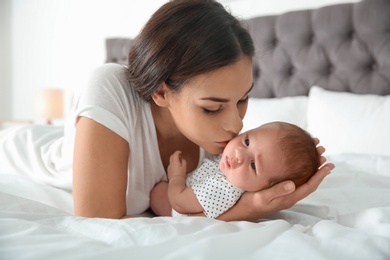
{"x": 348, "y": 217}
{"x": 37, "y": 151}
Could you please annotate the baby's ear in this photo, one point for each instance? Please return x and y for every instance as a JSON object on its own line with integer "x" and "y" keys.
{"x": 160, "y": 95}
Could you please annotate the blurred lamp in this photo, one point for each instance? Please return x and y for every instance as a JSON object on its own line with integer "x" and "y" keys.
{"x": 49, "y": 104}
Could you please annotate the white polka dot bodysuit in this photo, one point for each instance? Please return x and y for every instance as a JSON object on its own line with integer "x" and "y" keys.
{"x": 213, "y": 191}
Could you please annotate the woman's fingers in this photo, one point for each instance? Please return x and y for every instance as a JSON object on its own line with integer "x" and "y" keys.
{"x": 284, "y": 189}
{"x": 322, "y": 160}
{"x": 286, "y": 195}
{"x": 278, "y": 190}
{"x": 320, "y": 150}
{"x": 312, "y": 184}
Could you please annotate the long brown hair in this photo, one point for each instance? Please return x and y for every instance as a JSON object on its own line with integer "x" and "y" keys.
{"x": 182, "y": 39}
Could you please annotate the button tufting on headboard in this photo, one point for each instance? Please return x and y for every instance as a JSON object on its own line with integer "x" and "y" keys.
{"x": 117, "y": 50}
{"x": 329, "y": 47}
{"x": 343, "y": 47}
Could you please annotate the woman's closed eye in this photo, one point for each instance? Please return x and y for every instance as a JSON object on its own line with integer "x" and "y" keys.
{"x": 244, "y": 100}
{"x": 211, "y": 111}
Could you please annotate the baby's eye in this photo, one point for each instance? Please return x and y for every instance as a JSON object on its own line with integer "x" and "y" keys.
{"x": 246, "y": 141}
{"x": 253, "y": 165}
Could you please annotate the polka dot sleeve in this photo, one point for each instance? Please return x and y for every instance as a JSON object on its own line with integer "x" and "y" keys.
{"x": 214, "y": 192}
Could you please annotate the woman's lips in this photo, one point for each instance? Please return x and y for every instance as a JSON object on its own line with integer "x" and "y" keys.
{"x": 223, "y": 144}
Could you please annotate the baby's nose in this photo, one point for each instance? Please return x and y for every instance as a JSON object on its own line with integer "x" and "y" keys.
{"x": 239, "y": 155}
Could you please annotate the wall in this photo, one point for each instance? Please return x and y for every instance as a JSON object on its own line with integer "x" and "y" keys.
{"x": 5, "y": 60}
{"x": 252, "y": 8}
{"x": 56, "y": 43}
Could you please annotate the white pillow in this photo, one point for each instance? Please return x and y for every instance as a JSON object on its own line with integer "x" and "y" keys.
{"x": 264, "y": 110}
{"x": 350, "y": 123}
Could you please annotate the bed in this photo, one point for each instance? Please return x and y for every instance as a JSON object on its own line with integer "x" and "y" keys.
{"x": 327, "y": 70}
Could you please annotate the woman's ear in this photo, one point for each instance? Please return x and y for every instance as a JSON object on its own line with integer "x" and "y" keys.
{"x": 160, "y": 95}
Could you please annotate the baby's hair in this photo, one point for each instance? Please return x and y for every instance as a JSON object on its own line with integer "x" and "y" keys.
{"x": 299, "y": 149}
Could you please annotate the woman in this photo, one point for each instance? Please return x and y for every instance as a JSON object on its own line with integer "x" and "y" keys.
{"x": 185, "y": 88}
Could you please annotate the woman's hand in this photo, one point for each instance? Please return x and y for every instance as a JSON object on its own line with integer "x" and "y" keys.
{"x": 284, "y": 195}
{"x": 255, "y": 205}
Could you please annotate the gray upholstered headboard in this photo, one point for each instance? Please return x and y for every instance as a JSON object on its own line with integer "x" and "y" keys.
{"x": 344, "y": 47}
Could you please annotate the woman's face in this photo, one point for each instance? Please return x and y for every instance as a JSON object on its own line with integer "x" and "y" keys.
{"x": 209, "y": 109}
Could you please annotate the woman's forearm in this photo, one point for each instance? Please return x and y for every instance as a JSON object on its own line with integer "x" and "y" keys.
{"x": 243, "y": 210}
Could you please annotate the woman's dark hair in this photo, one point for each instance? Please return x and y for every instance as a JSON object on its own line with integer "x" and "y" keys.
{"x": 185, "y": 38}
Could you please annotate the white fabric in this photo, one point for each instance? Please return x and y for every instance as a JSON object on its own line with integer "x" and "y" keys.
{"x": 348, "y": 217}
{"x": 264, "y": 110}
{"x": 36, "y": 151}
{"x": 212, "y": 189}
{"x": 347, "y": 122}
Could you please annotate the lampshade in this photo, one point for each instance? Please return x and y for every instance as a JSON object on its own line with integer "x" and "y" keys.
{"x": 49, "y": 104}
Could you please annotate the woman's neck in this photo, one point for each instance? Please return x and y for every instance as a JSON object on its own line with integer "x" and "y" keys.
{"x": 165, "y": 126}
{"x": 170, "y": 139}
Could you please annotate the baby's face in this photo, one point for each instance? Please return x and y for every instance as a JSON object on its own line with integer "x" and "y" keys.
{"x": 253, "y": 160}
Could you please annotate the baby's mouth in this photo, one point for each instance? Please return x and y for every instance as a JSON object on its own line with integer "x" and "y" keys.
{"x": 227, "y": 160}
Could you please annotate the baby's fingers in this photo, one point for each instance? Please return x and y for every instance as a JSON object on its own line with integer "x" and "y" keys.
{"x": 175, "y": 157}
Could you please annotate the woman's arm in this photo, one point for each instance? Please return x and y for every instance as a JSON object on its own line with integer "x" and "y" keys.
{"x": 181, "y": 198}
{"x": 99, "y": 171}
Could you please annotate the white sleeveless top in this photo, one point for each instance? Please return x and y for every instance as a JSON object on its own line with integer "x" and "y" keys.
{"x": 109, "y": 100}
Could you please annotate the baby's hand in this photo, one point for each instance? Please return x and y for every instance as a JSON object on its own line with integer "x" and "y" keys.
{"x": 177, "y": 165}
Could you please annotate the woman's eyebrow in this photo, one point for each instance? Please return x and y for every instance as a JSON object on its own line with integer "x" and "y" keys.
{"x": 225, "y": 100}
{"x": 216, "y": 99}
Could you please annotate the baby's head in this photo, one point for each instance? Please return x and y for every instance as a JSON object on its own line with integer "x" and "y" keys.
{"x": 299, "y": 151}
{"x": 269, "y": 154}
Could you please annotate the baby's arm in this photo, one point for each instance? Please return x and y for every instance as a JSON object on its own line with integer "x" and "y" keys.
{"x": 182, "y": 198}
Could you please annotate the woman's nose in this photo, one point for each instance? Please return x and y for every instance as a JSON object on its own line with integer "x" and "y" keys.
{"x": 233, "y": 123}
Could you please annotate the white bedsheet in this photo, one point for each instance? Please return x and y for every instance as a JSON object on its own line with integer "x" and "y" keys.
{"x": 348, "y": 217}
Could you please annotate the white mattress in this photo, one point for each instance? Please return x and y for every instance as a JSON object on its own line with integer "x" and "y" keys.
{"x": 348, "y": 217}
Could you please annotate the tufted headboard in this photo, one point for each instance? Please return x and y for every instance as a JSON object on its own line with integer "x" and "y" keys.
{"x": 343, "y": 47}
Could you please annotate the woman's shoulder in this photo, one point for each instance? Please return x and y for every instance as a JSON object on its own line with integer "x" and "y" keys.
{"x": 108, "y": 70}
{"x": 110, "y": 79}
